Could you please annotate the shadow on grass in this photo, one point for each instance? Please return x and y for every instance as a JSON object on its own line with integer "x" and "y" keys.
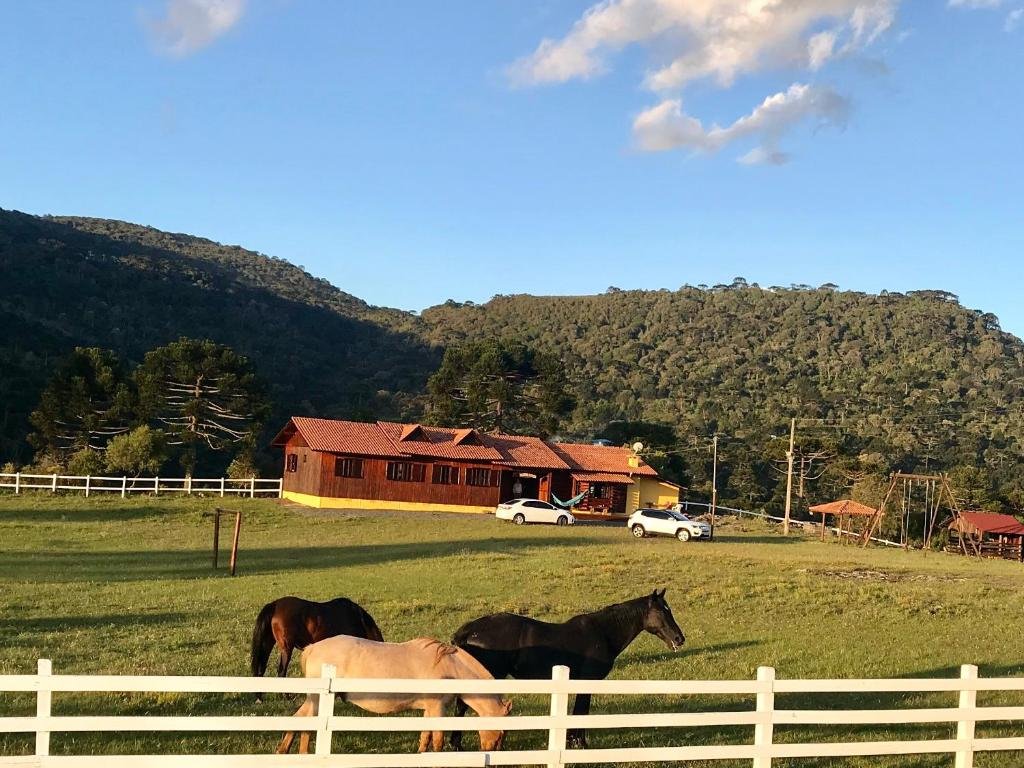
{"x": 725, "y": 538}
{"x": 85, "y": 514}
{"x": 140, "y": 565}
{"x": 33, "y": 626}
{"x": 690, "y": 650}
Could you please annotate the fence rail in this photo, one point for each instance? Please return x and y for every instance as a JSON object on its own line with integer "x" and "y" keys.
{"x": 89, "y": 484}
{"x": 762, "y": 749}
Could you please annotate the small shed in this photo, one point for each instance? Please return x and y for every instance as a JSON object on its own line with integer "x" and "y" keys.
{"x": 996, "y": 535}
{"x": 842, "y": 509}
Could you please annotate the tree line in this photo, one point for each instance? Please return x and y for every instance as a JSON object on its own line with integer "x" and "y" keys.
{"x": 186, "y": 403}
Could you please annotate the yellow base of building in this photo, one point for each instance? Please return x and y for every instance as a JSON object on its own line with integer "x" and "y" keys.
{"x": 327, "y": 502}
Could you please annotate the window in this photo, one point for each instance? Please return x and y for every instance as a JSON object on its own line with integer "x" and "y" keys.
{"x": 482, "y": 477}
{"x": 597, "y": 489}
{"x": 348, "y": 467}
{"x": 445, "y": 475}
{"x": 406, "y": 472}
{"x": 656, "y": 514}
{"x": 538, "y": 505}
{"x": 291, "y": 462}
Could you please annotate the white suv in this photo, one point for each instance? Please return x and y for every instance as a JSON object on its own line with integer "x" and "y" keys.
{"x": 665, "y": 522}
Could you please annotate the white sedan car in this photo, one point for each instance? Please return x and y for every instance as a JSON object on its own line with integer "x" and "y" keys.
{"x": 521, "y": 511}
{"x": 666, "y": 522}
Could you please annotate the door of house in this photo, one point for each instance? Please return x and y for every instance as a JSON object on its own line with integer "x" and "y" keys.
{"x": 544, "y": 488}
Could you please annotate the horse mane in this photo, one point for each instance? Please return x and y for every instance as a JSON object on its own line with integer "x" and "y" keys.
{"x": 440, "y": 649}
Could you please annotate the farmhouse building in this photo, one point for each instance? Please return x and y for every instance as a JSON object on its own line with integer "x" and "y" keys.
{"x": 385, "y": 465}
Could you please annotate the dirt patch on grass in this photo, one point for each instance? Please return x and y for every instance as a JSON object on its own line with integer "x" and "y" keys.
{"x": 870, "y": 574}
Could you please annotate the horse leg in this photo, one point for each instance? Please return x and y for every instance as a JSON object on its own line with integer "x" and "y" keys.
{"x": 432, "y": 740}
{"x": 308, "y": 708}
{"x": 456, "y": 736}
{"x": 578, "y": 736}
{"x": 283, "y": 659}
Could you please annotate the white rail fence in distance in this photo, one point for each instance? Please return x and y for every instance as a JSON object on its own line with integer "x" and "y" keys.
{"x": 761, "y": 749}
{"x": 89, "y": 484}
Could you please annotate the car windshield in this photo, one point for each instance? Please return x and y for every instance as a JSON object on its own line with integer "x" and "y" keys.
{"x": 679, "y": 515}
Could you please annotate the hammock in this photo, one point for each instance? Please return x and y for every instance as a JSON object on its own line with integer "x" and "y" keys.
{"x": 571, "y": 502}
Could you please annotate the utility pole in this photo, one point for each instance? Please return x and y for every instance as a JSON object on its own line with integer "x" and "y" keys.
{"x": 789, "y": 477}
{"x": 714, "y": 482}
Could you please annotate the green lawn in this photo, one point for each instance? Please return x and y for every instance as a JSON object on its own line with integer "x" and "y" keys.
{"x": 106, "y": 585}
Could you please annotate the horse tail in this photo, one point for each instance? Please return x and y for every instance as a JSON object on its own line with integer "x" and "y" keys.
{"x": 262, "y": 639}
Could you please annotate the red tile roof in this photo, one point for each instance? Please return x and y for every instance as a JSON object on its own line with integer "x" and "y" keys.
{"x": 601, "y": 458}
{"x": 394, "y": 440}
{"x": 341, "y": 437}
{"x": 601, "y": 477}
{"x": 992, "y": 522}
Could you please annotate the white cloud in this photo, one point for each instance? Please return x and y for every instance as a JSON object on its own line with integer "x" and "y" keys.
{"x": 719, "y": 39}
{"x": 1014, "y": 19}
{"x": 666, "y": 126}
{"x": 188, "y": 25}
{"x": 820, "y": 49}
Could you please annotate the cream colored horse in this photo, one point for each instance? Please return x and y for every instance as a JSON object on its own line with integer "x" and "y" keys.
{"x": 422, "y": 659}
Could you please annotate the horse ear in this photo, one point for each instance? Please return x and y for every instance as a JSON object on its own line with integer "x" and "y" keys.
{"x": 662, "y": 594}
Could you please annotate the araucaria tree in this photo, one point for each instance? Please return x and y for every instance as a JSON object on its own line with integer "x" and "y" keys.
{"x": 203, "y": 395}
{"x": 499, "y": 386}
{"x": 87, "y": 402}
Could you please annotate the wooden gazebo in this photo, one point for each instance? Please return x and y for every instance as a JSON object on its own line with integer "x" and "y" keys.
{"x": 992, "y": 534}
{"x": 842, "y": 509}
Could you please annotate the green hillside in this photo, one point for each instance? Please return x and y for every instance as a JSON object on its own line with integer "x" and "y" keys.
{"x": 916, "y": 381}
{"x": 129, "y": 288}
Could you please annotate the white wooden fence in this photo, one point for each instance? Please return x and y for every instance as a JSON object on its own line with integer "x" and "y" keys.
{"x": 222, "y": 486}
{"x": 761, "y": 749}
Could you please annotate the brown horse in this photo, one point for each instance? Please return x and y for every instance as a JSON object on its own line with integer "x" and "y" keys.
{"x": 419, "y": 659}
{"x": 291, "y": 622}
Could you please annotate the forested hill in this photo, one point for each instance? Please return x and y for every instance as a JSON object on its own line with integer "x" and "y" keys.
{"x": 917, "y": 379}
{"x": 70, "y": 282}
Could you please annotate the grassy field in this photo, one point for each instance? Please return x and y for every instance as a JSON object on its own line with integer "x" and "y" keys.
{"x": 125, "y": 587}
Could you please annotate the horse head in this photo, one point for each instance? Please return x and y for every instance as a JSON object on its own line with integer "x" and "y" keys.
{"x": 490, "y": 741}
{"x": 659, "y": 621}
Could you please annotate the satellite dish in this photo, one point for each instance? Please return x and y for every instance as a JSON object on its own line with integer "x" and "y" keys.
{"x": 637, "y": 447}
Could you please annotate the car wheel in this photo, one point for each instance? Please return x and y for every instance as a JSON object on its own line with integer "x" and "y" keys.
{"x": 519, "y": 519}
{"x": 562, "y": 520}
{"x": 639, "y": 532}
{"x": 683, "y": 535}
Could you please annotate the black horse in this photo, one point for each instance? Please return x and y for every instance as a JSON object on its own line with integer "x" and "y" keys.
{"x": 293, "y": 623}
{"x": 511, "y": 645}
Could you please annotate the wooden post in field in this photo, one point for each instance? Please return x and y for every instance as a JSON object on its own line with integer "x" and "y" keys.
{"x": 252, "y": 487}
{"x": 216, "y": 536}
{"x": 965, "y": 726}
{"x": 124, "y": 486}
{"x": 17, "y": 483}
{"x": 559, "y": 708}
{"x": 156, "y": 485}
{"x": 222, "y": 487}
{"x": 44, "y": 698}
{"x": 325, "y": 710}
{"x": 188, "y": 485}
{"x": 763, "y": 731}
{"x": 234, "y": 541}
{"x": 88, "y": 482}
{"x": 54, "y": 482}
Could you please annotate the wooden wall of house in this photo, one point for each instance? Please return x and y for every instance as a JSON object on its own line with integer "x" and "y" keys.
{"x": 612, "y": 498}
{"x": 306, "y": 477}
{"x": 374, "y": 484}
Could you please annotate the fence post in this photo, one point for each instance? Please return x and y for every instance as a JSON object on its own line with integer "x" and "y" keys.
{"x": 54, "y": 482}
{"x": 17, "y": 483}
{"x": 763, "y": 731}
{"x": 559, "y": 708}
{"x": 88, "y": 482}
{"x": 252, "y": 487}
{"x": 156, "y": 485}
{"x": 965, "y": 726}
{"x": 280, "y": 495}
{"x": 222, "y": 487}
{"x": 124, "y": 485}
{"x": 325, "y": 710}
{"x": 44, "y": 697}
{"x": 188, "y": 485}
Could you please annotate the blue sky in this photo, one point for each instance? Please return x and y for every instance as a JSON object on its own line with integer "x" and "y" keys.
{"x": 412, "y": 152}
